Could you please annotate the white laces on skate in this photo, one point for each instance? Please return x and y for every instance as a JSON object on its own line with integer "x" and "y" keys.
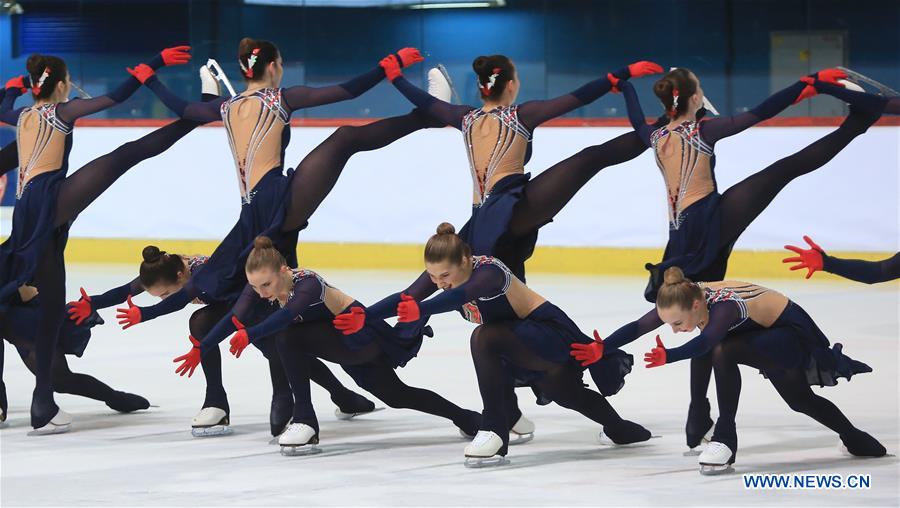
{"x": 482, "y": 438}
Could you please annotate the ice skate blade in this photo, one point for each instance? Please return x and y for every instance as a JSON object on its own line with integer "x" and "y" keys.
{"x": 862, "y": 78}
{"x": 51, "y": 428}
{"x": 300, "y": 450}
{"x": 485, "y": 462}
{"x": 697, "y": 450}
{"x": 517, "y": 439}
{"x": 715, "y": 469}
{"x": 214, "y": 431}
{"x": 340, "y": 415}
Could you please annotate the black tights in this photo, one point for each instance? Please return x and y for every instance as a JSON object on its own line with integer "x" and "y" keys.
{"x": 203, "y": 320}
{"x": 549, "y": 191}
{"x": 491, "y": 344}
{"x": 320, "y": 169}
{"x": 791, "y": 384}
{"x": 744, "y": 201}
{"x": 77, "y": 192}
{"x": 301, "y": 344}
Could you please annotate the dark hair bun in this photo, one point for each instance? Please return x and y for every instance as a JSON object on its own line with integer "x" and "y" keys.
{"x": 36, "y": 64}
{"x": 445, "y": 228}
{"x": 263, "y": 242}
{"x": 152, "y": 254}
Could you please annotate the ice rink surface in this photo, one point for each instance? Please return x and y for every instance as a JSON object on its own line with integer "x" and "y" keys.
{"x": 400, "y": 457}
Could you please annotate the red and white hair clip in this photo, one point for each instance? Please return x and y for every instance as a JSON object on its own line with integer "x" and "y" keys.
{"x": 492, "y": 80}
{"x": 251, "y": 61}
{"x": 36, "y": 89}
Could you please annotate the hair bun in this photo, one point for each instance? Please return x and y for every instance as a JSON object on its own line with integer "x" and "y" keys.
{"x": 445, "y": 228}
{"x": 480, "y": 65}
{"x": 263, "y": 242}
{"x": 674, "y": 275}
{"x": 35, "y": 64}
{"x": 152, "y": 254}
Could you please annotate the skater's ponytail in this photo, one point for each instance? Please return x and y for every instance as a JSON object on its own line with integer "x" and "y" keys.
{"x": 677, "y": 290}
{"x": 264, "y": 255}
{"x": 446, "y": 245}
{"x": 158, "y": 267}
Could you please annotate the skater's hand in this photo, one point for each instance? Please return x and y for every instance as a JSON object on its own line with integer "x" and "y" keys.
{"x": 27, "y": 293}
{"x": 350, "y": 322}
{"x": 81, "y": 309}
{"x": 391, "y": 67}
{"x": 657, "y": 356}
{"x": 811, "y": 259}
{"x": 644, "y": 68}
{"x": 240, "y": 340}
{"x": 141, "y": 72}
{"x": 17, "y": 82}
{"x": 407, "y": 309}
{"x": 588, "y": 353}
{"x": 409, "y": 56}
{"x": 176, "y": 55}
{"x": 129, "y": 316}
{"x": 190, "y": 360}
{"x": 831, "y": 76}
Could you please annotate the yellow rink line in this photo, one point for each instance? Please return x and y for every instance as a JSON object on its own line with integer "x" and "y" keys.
{"x": 368, "y": 256}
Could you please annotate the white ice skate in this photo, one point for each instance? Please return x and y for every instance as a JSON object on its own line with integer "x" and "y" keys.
{"x": 219, "y": 74}
{"x": 439, "y": 84}
{"x": 209, "y": 422}
{"x": 717, "y": 458}
{"x": 299, "y": 439}
{"x": 484, "y": 450}
{"x": 340, "y": 415}
{"x": 522, "y": 431}
{"x": 697, "y": 450}
{"x": 208, "y": 82}
{"x": 862, "y": 78}
{"x": 60, "y": 423}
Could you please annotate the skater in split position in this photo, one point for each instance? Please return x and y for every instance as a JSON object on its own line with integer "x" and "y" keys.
{"x": 742, "y": 323}
{"x": 299, "y": 307}
{"x": 815, "y": 259}
{"x": 521, "y": 339}
{"x": 162, "y": 274}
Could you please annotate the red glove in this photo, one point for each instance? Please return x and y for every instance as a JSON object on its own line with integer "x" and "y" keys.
{"x": 129, "y": 316}
{"x": 657, "y": 356}
{"x": 588, "y": 353}
{"x": 407, "y": 309}
{"x": 17, "y": 82}
{"x": 176, "y": 55}
{"x": 80, "y": 310}
{"x": 811, "y": 259}
{"x": 409, "y": 56}
{"x": 190, "y": 360}
{"x": 825, "y": 76}
{"x": 614, "y": 81}
{"x": 350, "y": 322}
{"x": 240, "y": 340}
{"x": 142, "y": 72}
{"x": 391, "y": 67}
{"x": 644, "y": 68}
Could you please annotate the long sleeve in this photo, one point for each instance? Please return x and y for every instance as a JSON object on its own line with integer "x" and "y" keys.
{"x": 868, "y": 272}
{"x": 719, "y": 128}
{"x": 9, "y": 158}
{"x": 170, "y": 304}
{"x": 630, "y": 332}
{"x": 197, "y": 111}
{"x": 534, "y": 113}
{"x": 721, "y": 317}
{"x": 117, "y": 295}
{"x": 420, "y": 289}
{"x": 635, "y": 112}
{"x": 444, "y": 112}
{"x": 225, "y": 327}
{"x": 299, "y": 97}
{"x": 8, "y": 115}
{"x": 307, "y": 292}
{"x": 485, "y": 282}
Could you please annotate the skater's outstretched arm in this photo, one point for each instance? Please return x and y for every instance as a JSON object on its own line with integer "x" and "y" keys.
{"x": 117, "y": 295}
{"x": 534, "y": 113}
{"x": 239, "y": 313}
{"x": 299, "y": 97}
{"x": 198, "y": 111}
{"x": 422, "y": 288}
{"x": 868, "y": 272}
{"x": 8, "y": 97}
{"x": 636, "y": 113}
{"x": 9, "y": 158}
{"x": 307, "y": 292}
{"x": 132, "y": 315}
{"x": 722, "y": 316}
{"x": 633, "y": 330}
{"x": 485, "y": 282}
